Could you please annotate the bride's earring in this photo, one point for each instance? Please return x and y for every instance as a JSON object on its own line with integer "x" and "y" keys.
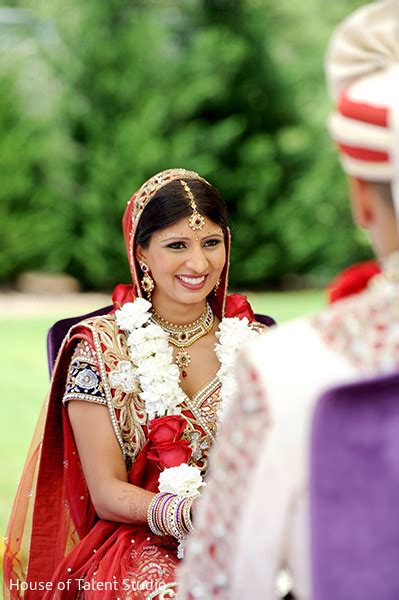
{"x": 217, "y": 285}
{"x": 147, "y": 283}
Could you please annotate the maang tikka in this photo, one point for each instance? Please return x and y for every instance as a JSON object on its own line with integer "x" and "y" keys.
{"x": 196, "y": 221}
{"x": 147, "y": 283}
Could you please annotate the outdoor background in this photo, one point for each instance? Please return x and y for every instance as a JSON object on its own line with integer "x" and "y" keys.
{"x": 97, "y": 96}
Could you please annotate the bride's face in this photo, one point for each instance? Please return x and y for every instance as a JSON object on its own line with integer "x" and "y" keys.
{"x": 185, "y": 264}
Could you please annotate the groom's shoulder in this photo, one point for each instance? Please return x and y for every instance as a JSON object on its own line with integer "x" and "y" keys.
{"x": 303, "y": 347}
{"x": 333, "y": 341}
{"x": 285, "y": 339}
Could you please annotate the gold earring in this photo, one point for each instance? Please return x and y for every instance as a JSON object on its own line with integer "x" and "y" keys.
{"x": 215, "y": 289}
{"x": 147, "y": 283}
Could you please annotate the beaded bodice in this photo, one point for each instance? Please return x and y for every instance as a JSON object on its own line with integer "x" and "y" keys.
{"x": 101, "y": 361}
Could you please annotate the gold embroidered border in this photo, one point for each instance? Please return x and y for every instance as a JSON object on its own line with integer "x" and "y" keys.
{"x": 128, "y": 408}
{"x": 194, "y": 403}
{"x": 166, "y": 592}
{"x": 209, "y": 396}
{"x": 107, "y": 391}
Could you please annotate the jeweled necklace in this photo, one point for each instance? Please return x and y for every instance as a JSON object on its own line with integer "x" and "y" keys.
{"x": 183, "y": 336}
{"x": 151, "y": 358}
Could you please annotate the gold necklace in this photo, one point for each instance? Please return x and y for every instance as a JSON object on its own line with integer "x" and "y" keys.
{"x": 182, "y": 336}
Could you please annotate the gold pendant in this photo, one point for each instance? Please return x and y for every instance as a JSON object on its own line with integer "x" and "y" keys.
{"x": 196, "y": 221}
{"x": 182, "y": 359}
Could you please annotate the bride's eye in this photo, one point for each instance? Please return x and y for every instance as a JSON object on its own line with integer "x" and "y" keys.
{"x": 214, "y": 242}
{"x": 176, "y": 245}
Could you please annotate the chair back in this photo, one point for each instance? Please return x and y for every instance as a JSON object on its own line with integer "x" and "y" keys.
{"x": 265, "y": 320}
{"x": 59, "y": 330}
{"x": 354, "y": 492}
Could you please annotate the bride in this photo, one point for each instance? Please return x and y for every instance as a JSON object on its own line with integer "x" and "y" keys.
{"x": 120, "y": 450}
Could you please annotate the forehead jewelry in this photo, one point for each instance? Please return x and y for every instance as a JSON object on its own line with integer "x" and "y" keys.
{"x": 196, "y": 221}
{"x": 185, "y": 236}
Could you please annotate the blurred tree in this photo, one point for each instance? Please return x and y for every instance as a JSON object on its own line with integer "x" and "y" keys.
{"x": 236, "y": 102}
{"x": 318, "y": 230}
{"x": 113, "y": 92}
{"x": 35, "y": 154}
{"x": 194, "y": 88}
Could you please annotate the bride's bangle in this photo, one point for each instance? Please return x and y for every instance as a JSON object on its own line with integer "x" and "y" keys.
{"x": 152, "y": 519}
{"x": 186, "y": 514}
{"x": 170, "y": 514}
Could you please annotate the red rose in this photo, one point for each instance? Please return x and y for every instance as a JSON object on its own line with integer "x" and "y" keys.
{"x": 352, "y": 280}
{"x": 166, "y": 429}
{"x": 237, "y": 305}
{"x": 164, "y": 448}
{"x": 170, "y": 454}
{"x": 167, "y": 447}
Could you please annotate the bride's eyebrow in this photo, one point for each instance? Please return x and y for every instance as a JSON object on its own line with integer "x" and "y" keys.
{"x": 173, "y": 236}
{"x": 214, "y": 234}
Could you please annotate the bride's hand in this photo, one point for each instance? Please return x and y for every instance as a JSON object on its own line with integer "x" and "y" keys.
{"x": 194, "y": 509}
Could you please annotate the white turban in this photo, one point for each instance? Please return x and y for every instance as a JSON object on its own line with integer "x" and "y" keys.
{"x": 362, "y": 66}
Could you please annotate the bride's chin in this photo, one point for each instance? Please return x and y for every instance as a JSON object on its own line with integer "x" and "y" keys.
{"x": 189, "y": 297}
{"x": 193, "y": 298}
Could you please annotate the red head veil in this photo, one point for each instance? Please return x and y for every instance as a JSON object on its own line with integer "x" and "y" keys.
{"x": 130, "y": 222}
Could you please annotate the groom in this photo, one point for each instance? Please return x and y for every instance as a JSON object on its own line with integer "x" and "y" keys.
{"x": 252, "y": 520}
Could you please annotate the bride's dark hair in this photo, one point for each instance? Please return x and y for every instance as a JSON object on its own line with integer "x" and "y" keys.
{"x": 170, "y": 204}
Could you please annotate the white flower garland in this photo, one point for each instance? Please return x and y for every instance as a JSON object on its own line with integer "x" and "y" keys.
{"x": 152, "y": 358}
{"x": 233, "y": 334}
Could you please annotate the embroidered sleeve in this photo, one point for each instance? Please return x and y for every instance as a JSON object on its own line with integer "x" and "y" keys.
{"x": 83, "y": 378}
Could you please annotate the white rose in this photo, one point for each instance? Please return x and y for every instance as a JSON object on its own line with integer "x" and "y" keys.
{"x": 151, "y": 332}
{"x": 147, "y": 348}
{"x": 133, "y": 314}
{"x": 183, "y": 480}
{"x": 155, "y": 409}
{"x": 154, "y": 367}
{"x": 232, "y": 331}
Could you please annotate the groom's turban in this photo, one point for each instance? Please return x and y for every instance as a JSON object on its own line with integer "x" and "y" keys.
{"x": 362, "y": 67}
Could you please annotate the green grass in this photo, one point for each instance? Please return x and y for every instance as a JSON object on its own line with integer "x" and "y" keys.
{"x": 25, "y": 380}
{"x": 287, "y": 305}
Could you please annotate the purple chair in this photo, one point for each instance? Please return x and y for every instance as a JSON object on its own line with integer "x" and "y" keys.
{"x": 265, "y": 319}
{"x": 354, "y": 492}
{"x": 59, "y": 330}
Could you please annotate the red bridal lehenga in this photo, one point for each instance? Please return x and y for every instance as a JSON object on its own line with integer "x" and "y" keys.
{"x": 70, "y": 546}
{"x": 56, "y": 546}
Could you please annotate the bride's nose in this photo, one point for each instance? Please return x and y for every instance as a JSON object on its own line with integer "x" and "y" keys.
{"x": 197, "y": 260}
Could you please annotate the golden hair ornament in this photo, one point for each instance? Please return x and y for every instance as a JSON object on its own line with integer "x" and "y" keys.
{"x": 196, "y": 221}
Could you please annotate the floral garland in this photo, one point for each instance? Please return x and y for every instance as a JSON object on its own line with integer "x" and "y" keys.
{"x": 233, "y": 334}
{"x": 152, "y": 358}
{"x": 158, "y": 377}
